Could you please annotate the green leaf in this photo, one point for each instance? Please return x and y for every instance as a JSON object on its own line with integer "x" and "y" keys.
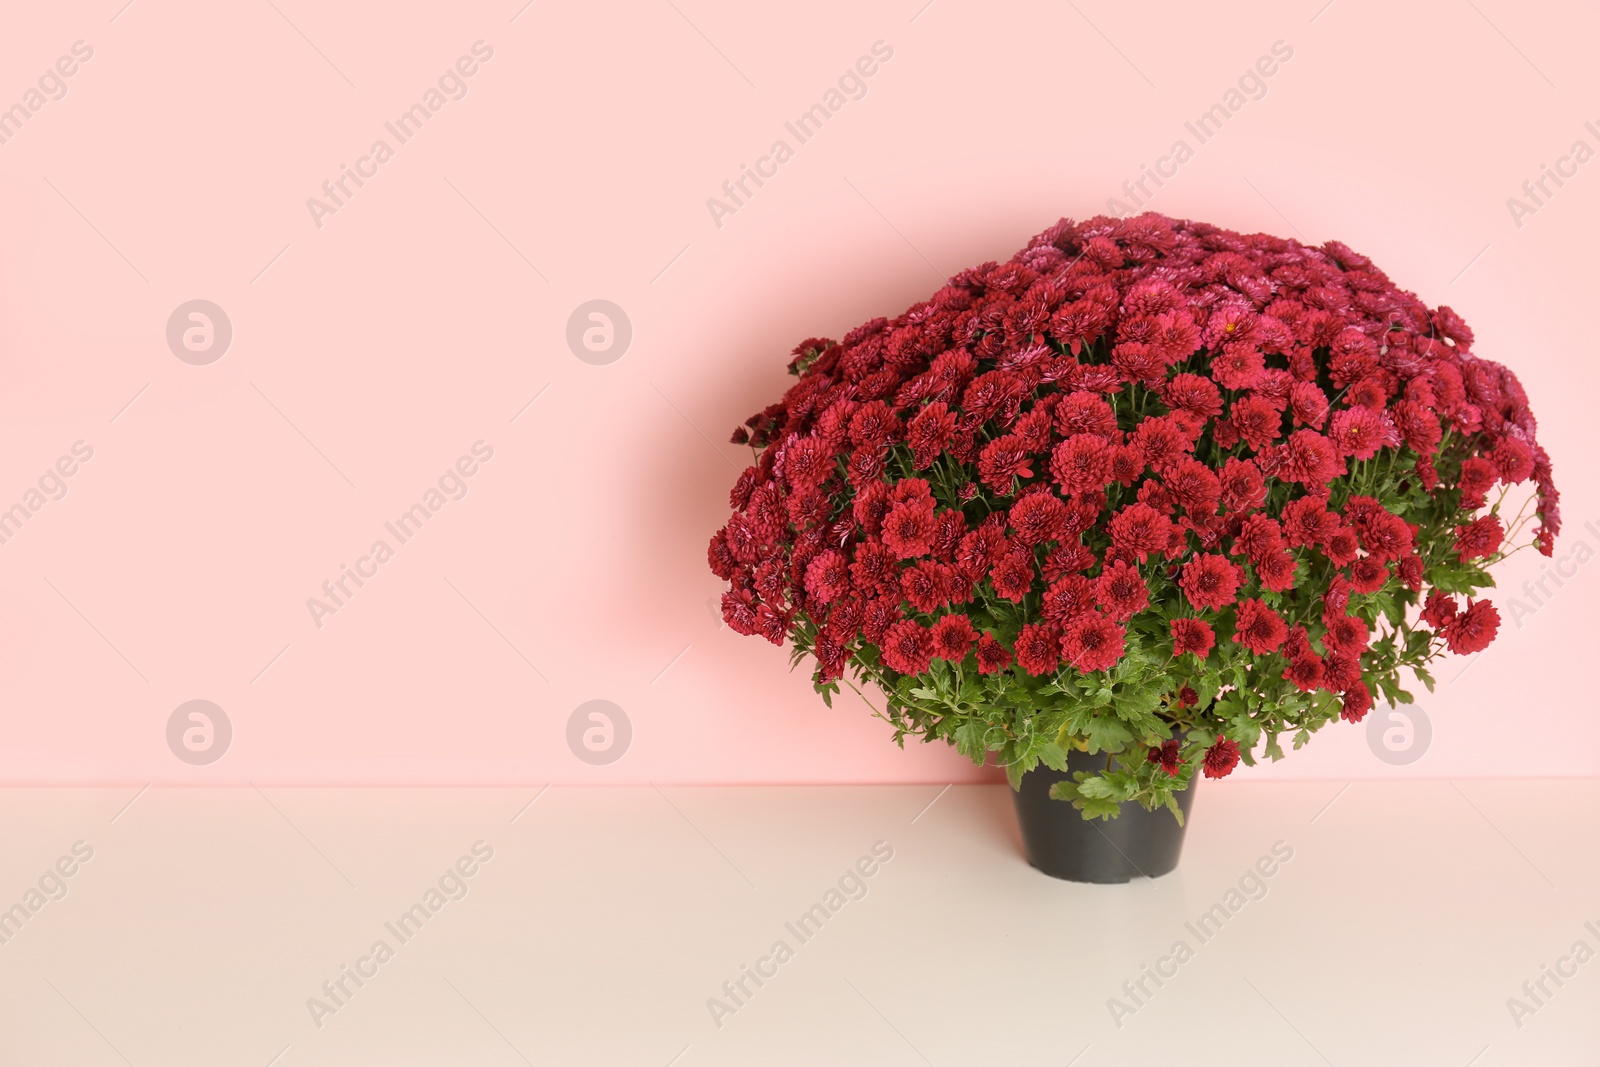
{"x": 1106, "y": 734}
{"x": 1017, "y": 768}
{"x": 1089, "y": 807}
{"x": 969, "y": 742}
{"x": 1053, "y": 756}
{"x": 1274, "y": 750}
{"x": 1095, "y": 787}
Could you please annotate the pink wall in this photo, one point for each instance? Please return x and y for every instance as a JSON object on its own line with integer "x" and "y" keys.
{"x": 422, "y": 315}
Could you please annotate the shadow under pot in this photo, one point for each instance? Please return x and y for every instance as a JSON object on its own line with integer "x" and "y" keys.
{"x": 1063, "y": 844}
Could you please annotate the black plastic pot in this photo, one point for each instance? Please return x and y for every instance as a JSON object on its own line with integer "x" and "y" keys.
{"x": 1060, "y": 842}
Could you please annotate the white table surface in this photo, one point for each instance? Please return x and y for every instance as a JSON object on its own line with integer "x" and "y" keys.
{"x": 1408, "y": 915}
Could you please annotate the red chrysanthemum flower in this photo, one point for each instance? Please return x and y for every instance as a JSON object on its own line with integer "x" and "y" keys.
{"x": 993, "y": 393}
{"x": 1259, "y": 628}
{"x": 1013, "y": 574}
{"x": 1384, "y": 535}
{"x": 1341, "y": 547}
{"x": 866, "y": 466}
{"x": 953, "y": 637}
{"x": 1478, "y": 476}
{"x": 1003, "y": 459}
{"x": 1237, "y": 366}
{"x": 1305, "y": 672}
{"x": 1034, "y": 429}
{"x": 1275, "y": 571}
{"x": 908, "y": 647}
{"x": 1345, "y": 633}
{"x": 1155, "y": 494}
{"x": 1193, "y": 393}
{"x": 1193, "y": 485}
{"x": 1411, "y": 572}
{"x": 807, "y": 506}
{"x": 1138, "y": 530}
{"x": 1175, "y": 337}
{"x": 1242, "y": 486}
{"x": 1084, "y": 412}
{"x": 1473, "y": 629}
{"x": 1166, "y": 754}
{"x": 1439, "y": 609}
{"x": 1120, "y": 591}
{"x": 933, "y": 428}
{"x": 877, "y": 617}
{"x": 1067, "y": 598}
{"x": 909, "y": 529}
{"x": 1368, "y": 575}
{"x": 1418, "y": 426}
{"x": 1124, "y": 464}
{"x": 992, "y": 655}
{"x": 772, "y": 623}
{"x": 1308, "y": 404}
{"x": 832, "y": 651}
{"x": 1092, "y": 643}
{"x": 873, "y": 424}
{"x": 1160, "y": 440}
{"x": 1308, "y": 458}
{"x": 1298, "y": 643}
{"x": 807, "y": 462}
{"x": 1210, "y": 581}
{"x": 1192, "y": 636}
{"x": 1513, "y": 459}
{"x": 1081, "y": 464}
{"x": 950, "y": 526}
{"x": 1224, "y": 434}
{"x": 1221, "y": 758}
{"x": 1038, "y": 517}
{"x": 828, "y": 576}
{"x": 1358, "y": 432}
{"x": 1039, "y": 649}
{"x": 1307, "y": 521}
{"x": 1067, "y": 558}
{"x": 1357, "y": 702}
{"x": 982, "y": 546}
{"x": 926, "y": 584}
{"x": 1259, "y": 536}
{"x": 1257, "y": 421}
{"x": 845, "y": 616}
{"x": 1366, "y": 393}
{"x": 1479, "y": 538}
{"x": 1340, "y": 671}
{"x": 870, "y": 506}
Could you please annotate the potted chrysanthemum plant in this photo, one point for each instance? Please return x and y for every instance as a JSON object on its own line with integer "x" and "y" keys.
{"x": 1147, "y": 500}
